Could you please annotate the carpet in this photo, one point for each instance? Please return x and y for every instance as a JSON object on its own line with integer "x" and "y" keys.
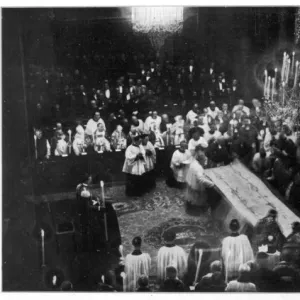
{"x": 159, "y": 211}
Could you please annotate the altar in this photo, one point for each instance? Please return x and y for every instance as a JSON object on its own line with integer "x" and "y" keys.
{"x": 246, "y": 198}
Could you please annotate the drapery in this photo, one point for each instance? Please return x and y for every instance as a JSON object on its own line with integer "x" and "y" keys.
{"x": 157, "y": 22}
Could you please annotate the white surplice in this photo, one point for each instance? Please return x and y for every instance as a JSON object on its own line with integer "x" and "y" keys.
{"x": 135, "y": 266}
{"x": 61, "y": 148}
{"x": 171, "y": 256}
{"x": 131, "y": 165}
{"x": 150, "y": 160}
{"x": 177, "y": 159}
{"x": 236, "y": 250}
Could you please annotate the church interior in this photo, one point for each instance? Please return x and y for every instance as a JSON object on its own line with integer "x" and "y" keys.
{"x": 151, "y": 149}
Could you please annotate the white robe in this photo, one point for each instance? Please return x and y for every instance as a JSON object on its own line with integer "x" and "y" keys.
{"x": 191, "y": 117}
{"x": 174, "y": 256}
{"x": 135, "y": 266}
{"x": 140, "y": 127}
{"x": 91, "y": 126}
{"x": 177, "y": 159}
{"x": 150, "y": 160}
{"x": 150, "y": 122}
{"x": 177, "y": 130}
{"x": 208, "y": 136}
{"x": 193, "y": 144}
{"x": 196, "y": 184}
{"x": 78, "y": 144}
{"x": 235, "y": 251}
{"x": 212, "y": 113}
{"x": 132, "y": 166}
{"x": 61, "y": 148}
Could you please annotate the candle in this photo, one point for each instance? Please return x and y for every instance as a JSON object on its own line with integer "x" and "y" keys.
{"x": 273, "y": 88}
{"x": 54, "y": 280}
{"x": 70, "y": 140}
{"x": 275, "y": 77}
{"x": 268, "y": 87}
{"x": 43, "y": 247}
{"x": 105, "y": 217}
{"x": 293, "y": 62}
{"x": 287, "y": 71}
{"x": 266, "y": 82}
{"x": 296, "y": 73}
{"x": 35, "y": 147}
{"x": 283, "y": 66}
{"x": 198, "y": 265}
{"x": 283, "y": 92}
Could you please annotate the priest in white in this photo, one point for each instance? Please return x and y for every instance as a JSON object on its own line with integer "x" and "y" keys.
{"x": 197, "y": 139}
{"x": 134, "y": 167}
{"x": 79, "y": 143}
{"x": 152, "y": 120}
{"x": 236, "y": 250}
{"x": 241, "y": 107}
{"x": 92, "y": 124}
{"x": 197, "y": 182}
{"x": 170, "y": 255}
{"x": 137, "y": 263}
{"x": 192, "y": 115}
{"x": 179, "y": 163}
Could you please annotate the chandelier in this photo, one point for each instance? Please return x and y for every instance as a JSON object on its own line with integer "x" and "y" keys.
{"x": 157, "y": 22}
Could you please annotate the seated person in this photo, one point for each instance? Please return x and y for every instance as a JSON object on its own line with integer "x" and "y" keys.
{"x": 260, "y": 162}
{"x": 213, "y": 133}
{"x": 143, "y": 283}
{"x": 42, "y": 147}
{"x": 61, "y": 145}
{"x": 136, "y": 123}
{"x": 79, "y": 141}
{"x": 118, "y": 139}
{"x": 92, "y": 124}
{"x": 213, "y": 284}
{"x": 100, "y": 141}
{"x": 152, "y": 120}
{"x": 178, "y": 131}
{"x": 241, "y": 107}
{"x": 212, "y": 111}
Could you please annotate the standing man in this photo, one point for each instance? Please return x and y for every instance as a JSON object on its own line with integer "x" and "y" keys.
{"x": 135, "y": 166}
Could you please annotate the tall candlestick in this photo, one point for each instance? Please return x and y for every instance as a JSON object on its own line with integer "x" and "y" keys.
{"x": 287, "y": 71}
{"x": 35, "y": 147}
{"x": 293, "y": 62}
{"x": 43, "y": 247}
{"x": 283, "y": 66}
{"x": 268, "y": 87}
{"x": 275, "y": 77}
{"x": 105, "y": 217}
{"x": 273, "y": 88}
{"x": 70, "y": 140}
{"x": 283, "y": 92}
{"x": 198, "y": 265}
{"x": 296, "y": 73}
{"x": 266, "y": 82}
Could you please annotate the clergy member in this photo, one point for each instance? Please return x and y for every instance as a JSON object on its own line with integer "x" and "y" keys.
{"x": 137, "y": 263}
{"x": 170, "y": 255}
{"x": 179, "y": 164}
{"x": 236, "y": 250}
{"x": 135, "y": 166}
{"x": 197, "y": 182}
{"x": 92, "y": 124}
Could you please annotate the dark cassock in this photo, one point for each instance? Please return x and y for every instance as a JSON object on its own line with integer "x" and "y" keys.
{"x": 265, "y": 227}
{"x": 170, "y": 255}
{"x": 136, "y": 263}
{"x": 134, "y": 167}
{"x": 236, "y": 250}
{"x": 42, "y": 148}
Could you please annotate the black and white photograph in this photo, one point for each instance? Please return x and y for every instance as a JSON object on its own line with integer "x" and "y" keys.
{"x": 151, "y": 148}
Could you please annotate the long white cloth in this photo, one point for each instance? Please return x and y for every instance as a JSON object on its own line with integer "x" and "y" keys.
{"x": 174, "y": 256}
{"x": 131, "y": 165}
{"x": 235, "y": 251}
{"x": 135, "y": 266}
{"x": 239, "y": 287}
{"x": 177, "y": 159}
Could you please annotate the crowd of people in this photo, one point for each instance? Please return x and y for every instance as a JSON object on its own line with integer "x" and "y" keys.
{"x": 237, "y": 265}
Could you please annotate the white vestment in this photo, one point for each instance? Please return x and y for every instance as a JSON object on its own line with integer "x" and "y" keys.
{"x": 213, "y": 113}
{"x": 239, "y": 287}
{"x": 236, "y": 250}
{"x": 177, "y": 159}
{"x": 135, "y": 266}
{"x": 150, "y": 122}
{"x": 171, "y": 256}
{"x": 191, "y": 117}
{"x": 131, "y": 165}
{"x": 208, "y": 136}
{"x": 61, "y": 148}
{"x": 193, "y": 144}
{"x": 150, "y": 160}
{"x": 91, "y": 126}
